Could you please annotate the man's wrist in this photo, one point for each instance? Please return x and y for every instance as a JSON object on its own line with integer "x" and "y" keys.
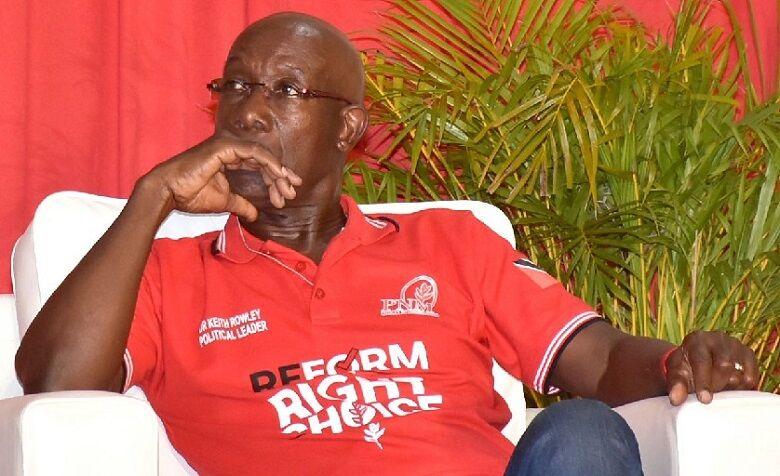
{"x": 152, "y": 196}
{"x": 664, "y": 362}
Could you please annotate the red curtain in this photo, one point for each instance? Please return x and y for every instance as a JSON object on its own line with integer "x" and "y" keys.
{"x": 96, "y": 93}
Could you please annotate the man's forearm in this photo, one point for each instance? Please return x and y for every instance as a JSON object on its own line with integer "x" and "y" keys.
{"x": 77, "y": 339}
{"x": 604, "y": 363}
{"x": 633, "y": 371}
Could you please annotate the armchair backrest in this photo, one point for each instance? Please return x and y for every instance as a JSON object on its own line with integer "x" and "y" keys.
{"x": 67, "y": 224}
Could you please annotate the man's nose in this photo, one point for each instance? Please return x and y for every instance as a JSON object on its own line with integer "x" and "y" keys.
{"x": 254, "y": 114}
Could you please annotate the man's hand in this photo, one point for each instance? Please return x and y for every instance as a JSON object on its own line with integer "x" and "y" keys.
{"x": 194, "y": 181}
{"x": 708, "y": 362}
{"x": 605, "y": 363}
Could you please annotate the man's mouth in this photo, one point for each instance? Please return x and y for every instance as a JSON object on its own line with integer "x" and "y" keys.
{"x": 247, "y": 182}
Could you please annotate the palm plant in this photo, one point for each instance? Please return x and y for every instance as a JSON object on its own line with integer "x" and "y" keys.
{"x": 642, "y": 172}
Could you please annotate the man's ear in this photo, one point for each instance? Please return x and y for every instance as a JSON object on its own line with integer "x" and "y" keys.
{"x": 355, "y": 122}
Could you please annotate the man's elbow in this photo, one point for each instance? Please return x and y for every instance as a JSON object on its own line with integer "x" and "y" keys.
{"x": 45, "y": 384}
{"x": 32, "y": 378}
{"x": 35, "y": 377}
{"x": 31, "y": 383}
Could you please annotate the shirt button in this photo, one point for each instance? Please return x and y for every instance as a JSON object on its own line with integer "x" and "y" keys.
{"x": 319, "y": 293}
{"x": 300, "y": 266}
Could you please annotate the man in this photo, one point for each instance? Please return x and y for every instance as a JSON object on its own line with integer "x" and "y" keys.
{"x": 307, "y": 338}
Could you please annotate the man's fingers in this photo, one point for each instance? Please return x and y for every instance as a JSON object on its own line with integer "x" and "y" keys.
{"x": 292, "y": 176}
{"x": 701, "y": 367}
{"x": 240, "y": 206}
{"x": 678, "y": 389}
{"x": 280, "y": 180}
{"x": 276, "y": 198}
{"x": 678, "y": 378}
{"x": 285, "y": 188}
{"x": 267, "y": 180}
{"x": 254, "y": 154}
{"x": 233, "y": 154}
{"x": 750, "y": 373}
{"x": 263, "y": 158}
{"x": 715, "y": 362}
{"x": 725, "y": 375}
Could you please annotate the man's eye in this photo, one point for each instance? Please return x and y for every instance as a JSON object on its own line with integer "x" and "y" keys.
{"x": 234, "y": 86}
{"x": 289, "y": 90}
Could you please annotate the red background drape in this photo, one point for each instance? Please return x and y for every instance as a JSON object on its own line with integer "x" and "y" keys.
{"x": 97, "y": 92}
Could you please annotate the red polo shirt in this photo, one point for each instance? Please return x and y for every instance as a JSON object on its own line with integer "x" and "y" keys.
{"x": 376, "y": 361}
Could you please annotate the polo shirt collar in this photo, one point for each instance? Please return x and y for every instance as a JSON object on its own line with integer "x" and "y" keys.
{"x": 236, "y": 244}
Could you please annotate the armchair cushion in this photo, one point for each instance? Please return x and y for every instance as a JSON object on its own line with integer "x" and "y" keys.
{"x": 77, "y": 433}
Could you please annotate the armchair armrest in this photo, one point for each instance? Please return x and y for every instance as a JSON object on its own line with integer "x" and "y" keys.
{"x": 737, "y": 433}
{"x": 77, "y": 433}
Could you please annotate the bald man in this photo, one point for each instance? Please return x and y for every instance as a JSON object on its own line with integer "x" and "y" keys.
{"x": 280, "y": 345}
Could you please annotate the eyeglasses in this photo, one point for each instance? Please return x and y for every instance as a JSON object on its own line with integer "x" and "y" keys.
{"x": 239, "y": 87}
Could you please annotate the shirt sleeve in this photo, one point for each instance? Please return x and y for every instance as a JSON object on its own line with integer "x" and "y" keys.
{"x": 142, "y": 353}
{"x": 530, "y": 315}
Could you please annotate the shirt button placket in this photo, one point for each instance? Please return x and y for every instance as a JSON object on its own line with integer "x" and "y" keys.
{"x": 323, "y": 307}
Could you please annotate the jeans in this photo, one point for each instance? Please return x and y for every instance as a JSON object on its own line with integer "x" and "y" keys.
{"x": 576, "y": 437}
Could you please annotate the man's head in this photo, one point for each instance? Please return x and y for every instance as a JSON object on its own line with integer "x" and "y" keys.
{"x": 310, "y": 133}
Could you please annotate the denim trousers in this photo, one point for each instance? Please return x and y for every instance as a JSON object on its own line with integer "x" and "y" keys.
{"x": 576, "y": 437}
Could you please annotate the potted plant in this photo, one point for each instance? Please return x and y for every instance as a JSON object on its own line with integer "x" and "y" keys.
{"x": 641, "y": 172}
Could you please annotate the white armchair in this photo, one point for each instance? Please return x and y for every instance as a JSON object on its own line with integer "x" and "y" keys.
{"x": 100, "y": 432}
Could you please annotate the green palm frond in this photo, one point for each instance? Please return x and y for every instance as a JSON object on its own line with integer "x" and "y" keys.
{"x": 642, "y": 172}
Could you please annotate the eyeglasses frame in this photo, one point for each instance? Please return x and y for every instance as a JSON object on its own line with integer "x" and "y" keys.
{"x": 303, "y": 93}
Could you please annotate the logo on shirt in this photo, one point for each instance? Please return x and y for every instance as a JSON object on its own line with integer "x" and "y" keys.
{"x": 373, "y": 433}
{"x": 215, "y": 329}
{"x": 418, "y": 297}
{"x": 341, "y": 393}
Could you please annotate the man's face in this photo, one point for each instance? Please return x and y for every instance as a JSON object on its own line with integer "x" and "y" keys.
{"x": 302, "y": 133}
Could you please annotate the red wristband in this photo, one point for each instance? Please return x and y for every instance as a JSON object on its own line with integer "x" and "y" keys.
{"x": 665, "y": 360}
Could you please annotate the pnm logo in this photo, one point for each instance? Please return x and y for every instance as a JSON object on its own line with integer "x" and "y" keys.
{"x": 418, "y": 296}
